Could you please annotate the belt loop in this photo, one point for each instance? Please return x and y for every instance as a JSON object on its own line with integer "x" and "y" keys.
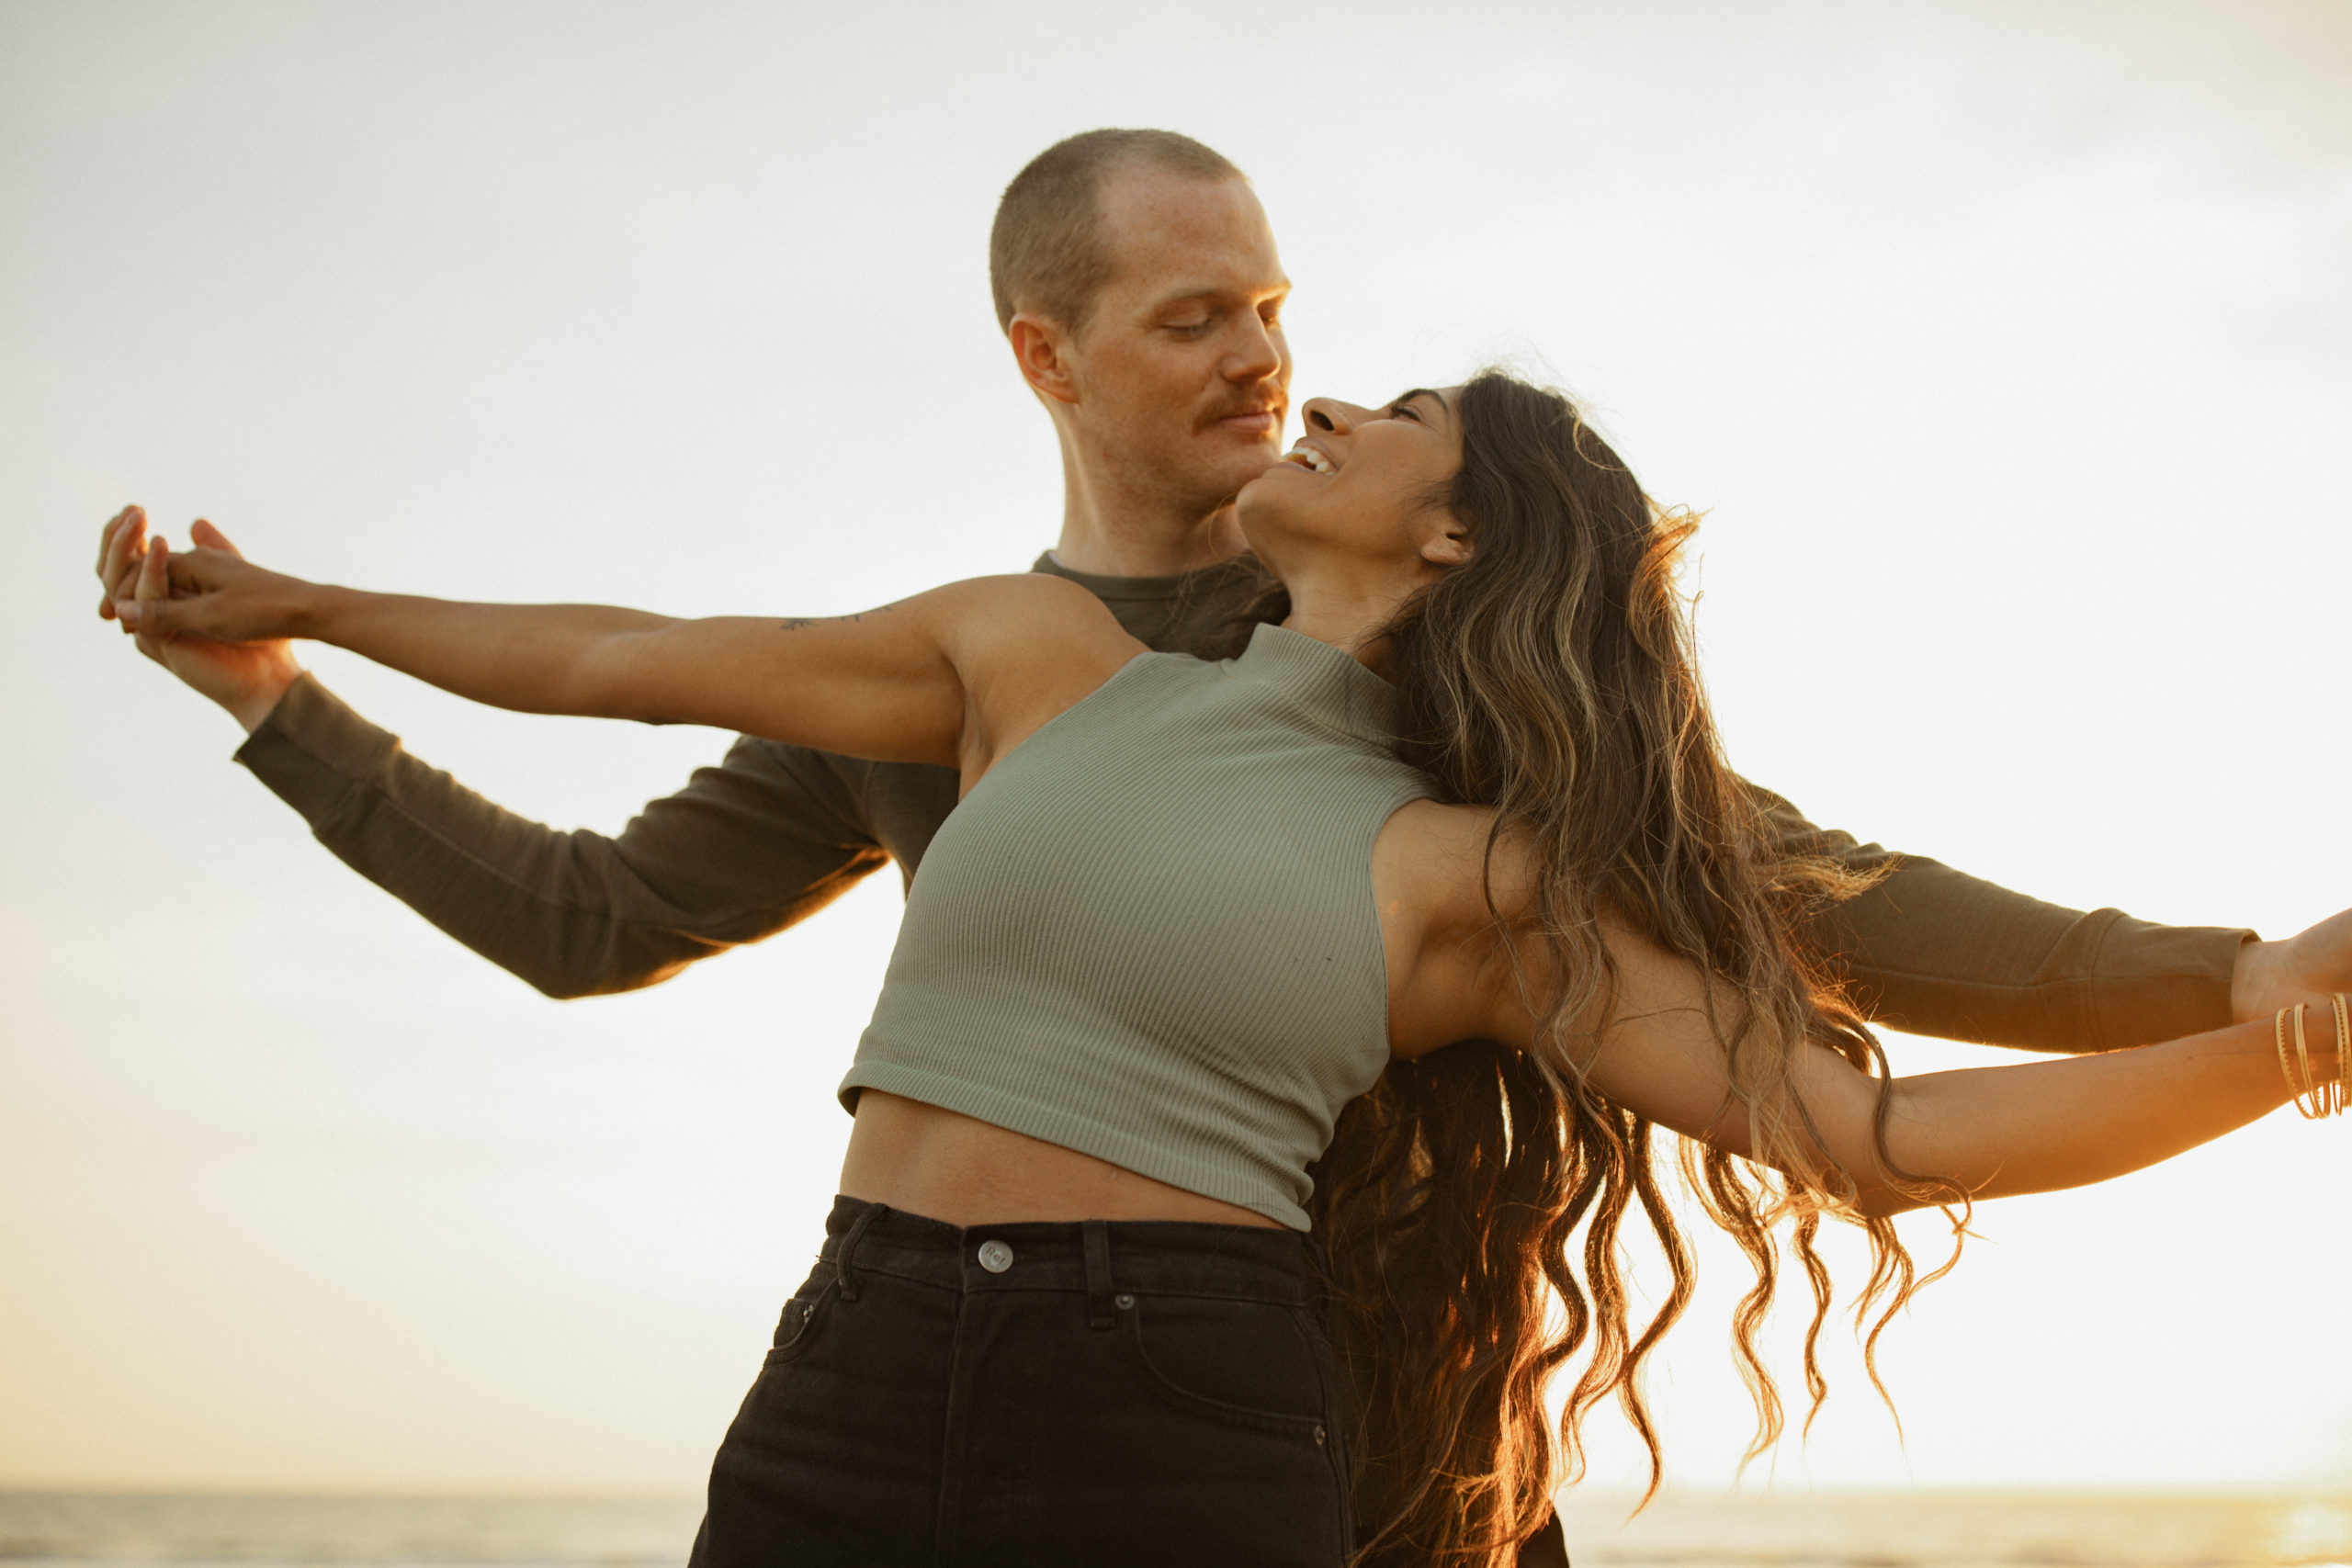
{"x": 1097, "y": 1235}
{"x": 849, "y": 1249}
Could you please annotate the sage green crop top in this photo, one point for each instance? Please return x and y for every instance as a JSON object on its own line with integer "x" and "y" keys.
{"x": 1148, "y": 933}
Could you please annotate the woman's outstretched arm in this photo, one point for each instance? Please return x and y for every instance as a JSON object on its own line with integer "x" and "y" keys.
{"x": 2025, "y": 1127}
{"x": 895, "y": 684}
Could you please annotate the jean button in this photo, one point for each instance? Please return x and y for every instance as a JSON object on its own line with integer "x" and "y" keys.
{"x": 995, "y": 1256}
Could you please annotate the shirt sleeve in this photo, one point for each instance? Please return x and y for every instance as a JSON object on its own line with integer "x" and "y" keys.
{"x": 1933, "y": 951}
{"x": 767, "y": 838}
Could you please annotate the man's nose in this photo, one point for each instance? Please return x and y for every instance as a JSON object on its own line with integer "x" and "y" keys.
{"x": 1258, "y": 356}
{"x": 1332, "y": 417}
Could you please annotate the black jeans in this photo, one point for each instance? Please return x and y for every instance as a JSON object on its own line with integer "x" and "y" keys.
{"x": 1037, "y": 1394}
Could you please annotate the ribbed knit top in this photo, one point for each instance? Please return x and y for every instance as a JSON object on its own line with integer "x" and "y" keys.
{"x": 1148, "y": 933}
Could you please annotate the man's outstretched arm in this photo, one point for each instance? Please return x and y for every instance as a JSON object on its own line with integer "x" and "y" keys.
{"x": 1934, "y": 951}
{"x": 758, "y": 843}
{"x": 748, "y": 847}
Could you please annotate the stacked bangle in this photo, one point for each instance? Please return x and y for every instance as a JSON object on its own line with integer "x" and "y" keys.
{"x": 2325, "y": 1098}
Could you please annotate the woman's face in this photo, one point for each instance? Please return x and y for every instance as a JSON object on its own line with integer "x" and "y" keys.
{"x": 1359, "y": 480}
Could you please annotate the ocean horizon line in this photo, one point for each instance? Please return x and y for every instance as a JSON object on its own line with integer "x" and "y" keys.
{"x": 1779, "y": 1527}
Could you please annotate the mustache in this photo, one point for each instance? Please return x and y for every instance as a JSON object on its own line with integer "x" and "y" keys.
{"x": 1256, "y": 403}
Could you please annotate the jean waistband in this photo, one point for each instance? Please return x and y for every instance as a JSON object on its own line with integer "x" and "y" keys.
{"x": 1098, "y": 1257}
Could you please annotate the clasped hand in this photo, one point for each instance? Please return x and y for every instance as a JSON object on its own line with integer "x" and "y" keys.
{"x": 219, "y": 623}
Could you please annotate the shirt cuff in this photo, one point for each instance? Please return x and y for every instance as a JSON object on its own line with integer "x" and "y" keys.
{"x": 313, "y": 750}
{"x": 2153, "y": 982}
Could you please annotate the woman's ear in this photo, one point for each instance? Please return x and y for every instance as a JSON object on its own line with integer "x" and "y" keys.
{"x": 1042, "y": 351}
{"x": 1448, "y": 546}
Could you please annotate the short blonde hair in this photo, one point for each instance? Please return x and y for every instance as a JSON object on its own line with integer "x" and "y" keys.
{"x": 1046, "y": 249}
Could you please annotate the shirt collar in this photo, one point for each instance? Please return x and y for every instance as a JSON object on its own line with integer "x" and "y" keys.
{"x": 1329, "y": 684}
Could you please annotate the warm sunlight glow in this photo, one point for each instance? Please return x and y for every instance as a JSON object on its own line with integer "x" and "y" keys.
{"x": 2007, "y": 351}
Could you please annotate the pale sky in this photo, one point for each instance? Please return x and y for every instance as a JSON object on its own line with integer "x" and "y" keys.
{"x": 2008, "y": 347}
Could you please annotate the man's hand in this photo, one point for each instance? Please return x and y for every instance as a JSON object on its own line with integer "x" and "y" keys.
{"x": 246, "y": 678}
{"x": 2303, "y": 968}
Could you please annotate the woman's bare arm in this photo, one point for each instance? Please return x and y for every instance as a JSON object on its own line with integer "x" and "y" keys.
{"x": 894, "y": 685}
{"x": 2025, "y": 1127}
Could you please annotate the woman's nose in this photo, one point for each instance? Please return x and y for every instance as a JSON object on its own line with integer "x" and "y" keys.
{"x": 1330, "y": 417}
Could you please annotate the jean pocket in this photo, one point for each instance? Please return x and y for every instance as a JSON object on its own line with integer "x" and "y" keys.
{"x": 803, "y": 1315}
{"x": 1245, "y": 1363}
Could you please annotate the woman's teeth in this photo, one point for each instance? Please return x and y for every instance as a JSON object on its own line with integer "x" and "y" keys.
{"x": 1308, "y": 457}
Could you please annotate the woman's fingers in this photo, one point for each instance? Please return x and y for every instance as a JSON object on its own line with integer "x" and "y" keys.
{"x": 151, "y": 599}
{"x": 105, "y": 539}
{"x": 132, "y": 573}
{"x": 115, "y": 525}
{"x": 120, "y": 548}
{"x": 155, "y": 577}
{"x": 206, "y": 591}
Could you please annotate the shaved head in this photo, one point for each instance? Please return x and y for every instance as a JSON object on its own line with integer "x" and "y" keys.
{"x": 1049, "y": 252}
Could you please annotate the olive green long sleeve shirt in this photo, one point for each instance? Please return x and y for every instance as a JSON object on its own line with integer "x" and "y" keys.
{"x": 776, "y": 832}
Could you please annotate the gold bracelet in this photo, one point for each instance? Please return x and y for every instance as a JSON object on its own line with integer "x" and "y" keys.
{"x": 2299, "y": 1093}
{"x": 2343, "y": 1045}
{"x": 2323, "y": 1099}
{"x": 2304, "y": 1065}
{"x": 2286, "y": 1067}
{"x": 2304, "y": 1061}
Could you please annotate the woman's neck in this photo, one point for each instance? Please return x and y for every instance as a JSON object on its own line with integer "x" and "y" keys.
{"x": 1349, "y": 609}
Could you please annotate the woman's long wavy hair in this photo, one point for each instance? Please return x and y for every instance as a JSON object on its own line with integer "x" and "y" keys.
{"x": 1470, "y": 1206}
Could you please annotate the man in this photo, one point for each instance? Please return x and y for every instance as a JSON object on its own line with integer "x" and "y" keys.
{"x": 1138, "y": 286}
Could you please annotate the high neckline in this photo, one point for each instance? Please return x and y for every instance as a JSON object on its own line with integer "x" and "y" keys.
{"x": 1329, "y": 684}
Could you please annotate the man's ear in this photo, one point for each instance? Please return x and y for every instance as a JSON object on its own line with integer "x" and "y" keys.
{"x": 1041, "y": 350}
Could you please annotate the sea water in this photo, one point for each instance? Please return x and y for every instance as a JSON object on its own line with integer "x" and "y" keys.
{"x": 1785, "y": 1530}
{"x": 1963, "y": 1530}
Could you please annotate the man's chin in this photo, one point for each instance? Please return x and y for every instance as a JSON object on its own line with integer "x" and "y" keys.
{"x": 1230, "y": 478}
{"x": 1245, "y": 458}
{"x": 1255, "y": 471}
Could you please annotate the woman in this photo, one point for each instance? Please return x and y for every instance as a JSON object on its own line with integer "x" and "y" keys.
{"x": 1448, "y": 846}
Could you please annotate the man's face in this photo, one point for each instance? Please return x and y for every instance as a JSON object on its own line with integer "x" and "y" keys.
{"x": 1182, "y": 372}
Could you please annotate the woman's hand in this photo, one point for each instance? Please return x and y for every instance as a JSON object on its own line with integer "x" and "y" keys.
{"x": 213, "y": 592}
{"x": 247, "y": 677}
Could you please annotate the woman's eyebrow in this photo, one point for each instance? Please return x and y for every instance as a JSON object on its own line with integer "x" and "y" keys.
{"x": 1423, "y": 392}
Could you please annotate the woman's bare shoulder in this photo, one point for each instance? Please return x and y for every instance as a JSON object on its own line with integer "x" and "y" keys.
{"x": 1026, "y": 647}
{"x": 1032, "y": 614}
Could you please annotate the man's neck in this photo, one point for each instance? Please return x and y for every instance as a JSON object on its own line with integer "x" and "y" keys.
{"x": 1153, "y": 547}
{"x": 1109, "y": 530}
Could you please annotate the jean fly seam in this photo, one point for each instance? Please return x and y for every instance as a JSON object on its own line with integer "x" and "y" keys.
{"x": 951, "y": 1432}
{"x": 1339, "y": 1450}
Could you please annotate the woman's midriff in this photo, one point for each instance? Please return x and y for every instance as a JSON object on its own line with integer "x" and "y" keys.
{"x": 951, "y": 1168}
